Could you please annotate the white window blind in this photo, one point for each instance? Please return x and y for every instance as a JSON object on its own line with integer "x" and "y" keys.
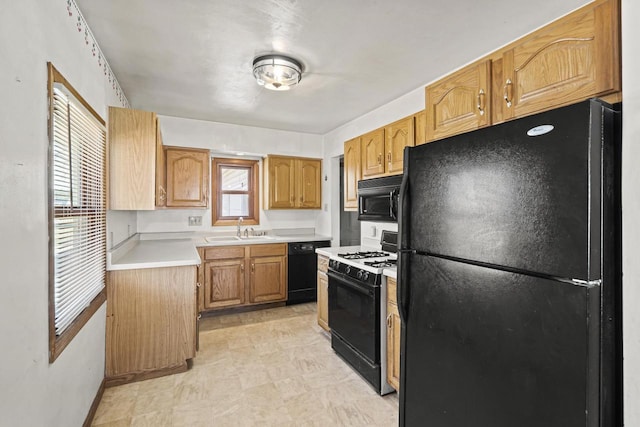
{"x": 77, "y": 181}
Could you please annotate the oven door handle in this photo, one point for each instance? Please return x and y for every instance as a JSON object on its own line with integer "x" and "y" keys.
{"x": 350, "y": 284}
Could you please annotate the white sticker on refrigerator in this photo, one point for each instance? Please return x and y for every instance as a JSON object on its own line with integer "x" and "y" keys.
{"x": 540, "y": 130}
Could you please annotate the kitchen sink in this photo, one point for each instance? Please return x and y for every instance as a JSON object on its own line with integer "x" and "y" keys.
{"x": 212, "y": 239}
{"x": 255, "y": 238}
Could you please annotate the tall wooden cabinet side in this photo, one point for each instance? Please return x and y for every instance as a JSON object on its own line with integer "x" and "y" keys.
{"x": 151, "y": 321}
{"x": 132, "y": 159}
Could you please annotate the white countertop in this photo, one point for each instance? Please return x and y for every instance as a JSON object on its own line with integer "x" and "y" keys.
{"x": 136, "y": 253}
{"x": 155, "y": 250}
{"x": 390, "y": 272}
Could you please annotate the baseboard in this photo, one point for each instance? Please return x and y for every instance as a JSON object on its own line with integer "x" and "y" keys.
{"x": 94, "y": 406}
{"x": 146, "y": 375}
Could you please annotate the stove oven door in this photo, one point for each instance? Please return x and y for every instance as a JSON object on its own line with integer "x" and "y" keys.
{"x": 354, "y": 315}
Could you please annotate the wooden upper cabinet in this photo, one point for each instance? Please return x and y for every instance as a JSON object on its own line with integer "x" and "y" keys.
{"x": 281, "y": 181}
{"x": 352, "y": 173}
{"x": 187, "y": 177}
{"x": 373, "y": 157}
{"x": 420, "y": 127}
{"x": 574, "y": 58}
{"x": 309, "y": 182}
{"x": 292, "y": 183}
{"x": 398, "y": 135}
{"x": 459, "y": 102}
{"x": 133, "y": 144}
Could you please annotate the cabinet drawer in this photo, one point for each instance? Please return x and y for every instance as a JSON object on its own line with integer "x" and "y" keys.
{"x": 323, "y": 263}
{"x": 224, "y": 252}
{"x": 277, "y": 249}
{"x": 392, "y": 287}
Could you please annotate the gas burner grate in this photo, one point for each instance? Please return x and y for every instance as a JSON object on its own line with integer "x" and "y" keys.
{"x": 382, "y": 263}
{"x": 361, "y": 255}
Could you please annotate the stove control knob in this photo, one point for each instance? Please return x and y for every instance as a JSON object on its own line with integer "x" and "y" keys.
{"x": 332, "y": 263}
{"x": 347, "y": 269}
{"x": 365, "y": 276}
{"x": 359, "y": 275}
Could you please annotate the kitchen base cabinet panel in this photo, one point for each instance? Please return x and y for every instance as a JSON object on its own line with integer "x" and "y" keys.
{"x": 268, "y": 279}
{"x": 239, "y": 276}
{"x": 225, "y": 283}
{"x": 151, "y": 322}
{"x": 323, "y": 293}
{"x": 393, "y": 336}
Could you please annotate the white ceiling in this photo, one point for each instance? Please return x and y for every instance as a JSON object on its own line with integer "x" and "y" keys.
{"x": 193, "y": 58}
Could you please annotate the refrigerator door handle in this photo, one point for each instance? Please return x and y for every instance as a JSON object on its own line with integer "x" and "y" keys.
{"x": 403, "y": 200}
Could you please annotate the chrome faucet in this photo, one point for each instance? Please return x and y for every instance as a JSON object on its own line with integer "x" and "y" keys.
{"x": 239, "y": 224}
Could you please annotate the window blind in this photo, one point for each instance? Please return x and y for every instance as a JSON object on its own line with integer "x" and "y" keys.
{"x": 77, "y": 168}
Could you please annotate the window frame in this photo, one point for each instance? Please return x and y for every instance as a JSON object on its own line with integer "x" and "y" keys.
{"x": 57, "y": 343}
{"x": 217, "y": 163}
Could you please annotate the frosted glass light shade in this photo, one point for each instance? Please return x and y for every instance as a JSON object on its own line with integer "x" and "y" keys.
{"x": 277, "y": 72}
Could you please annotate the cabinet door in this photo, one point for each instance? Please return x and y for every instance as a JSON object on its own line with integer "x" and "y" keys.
{"x": 224, "y": 283}
{"x": 373, "y": 153}
{"x": 352, "y": 173}
{"x": 420, "y": 127}
{"x": 323, "y": 301}
{"x": 570, "y": 60}
{"x": 281, "y": 182}
{"x": 161, "y": 170}
{"x": 309, "y": 183}
{"x": 459, "y": 102}
{"x": 132, "y": 159}
{"x": 393, "y": 336}
{"x": 398, "y": 135}
{"x": 268, "y": 279}
{"x": 187, "y": 177}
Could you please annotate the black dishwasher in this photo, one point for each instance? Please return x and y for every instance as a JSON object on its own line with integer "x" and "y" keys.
{"x": 302, "y": 271}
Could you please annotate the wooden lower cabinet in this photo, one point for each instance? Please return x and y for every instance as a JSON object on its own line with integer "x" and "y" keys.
{"x": 393, "y": 336}
{"x": 151, "y": 322}
{"x": 268, "y": 279}
{"x": 225, "y": 283}
{"x": 243, "y": 275}
{"x": 323, "y": 293}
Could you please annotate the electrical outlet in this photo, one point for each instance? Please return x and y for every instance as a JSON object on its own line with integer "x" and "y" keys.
{"x": 195, "y": 220}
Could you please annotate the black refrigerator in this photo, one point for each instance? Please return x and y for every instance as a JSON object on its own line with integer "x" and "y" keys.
{"x": 509, "y": 274}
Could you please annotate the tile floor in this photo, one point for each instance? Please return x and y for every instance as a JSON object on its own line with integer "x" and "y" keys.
{"x": 270, "y": 367}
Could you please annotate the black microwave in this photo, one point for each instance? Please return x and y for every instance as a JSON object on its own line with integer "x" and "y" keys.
{"x": 378, "y": 199}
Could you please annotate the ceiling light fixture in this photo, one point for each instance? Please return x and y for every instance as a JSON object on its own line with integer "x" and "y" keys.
{"x": 277, "y": 72}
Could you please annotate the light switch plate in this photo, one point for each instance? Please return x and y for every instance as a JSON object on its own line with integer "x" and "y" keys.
{"x": 195, "y": 220}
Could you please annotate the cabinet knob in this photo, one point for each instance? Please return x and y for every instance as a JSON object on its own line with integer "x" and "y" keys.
{"x": 379, "y": 159}
{"x": 389, "y": 321}
{"x": 198, "y": 284}
{"x": 253, "y": 267}
{"x": 242, "y": 268}
{"x": 508, "y": 92}
{"x": 389, "y": 157}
